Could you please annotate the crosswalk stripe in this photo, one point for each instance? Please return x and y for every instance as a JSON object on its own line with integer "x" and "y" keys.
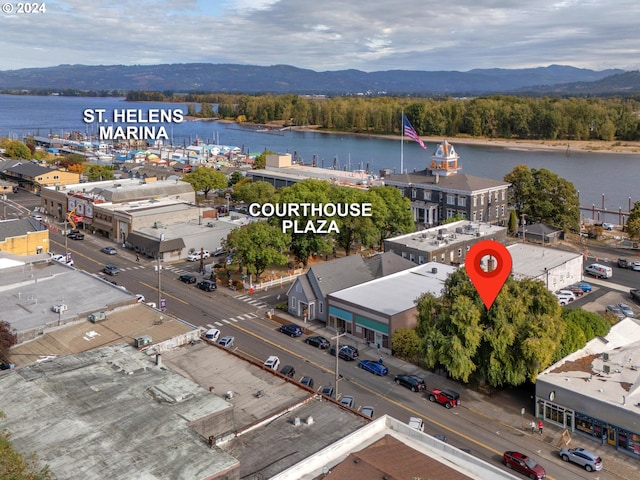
{"x": 226, "y": 321}
{"x": 219, "y": 324}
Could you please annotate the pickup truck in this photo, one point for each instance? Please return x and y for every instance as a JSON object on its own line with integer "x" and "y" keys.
{"x": 623, "y": 262}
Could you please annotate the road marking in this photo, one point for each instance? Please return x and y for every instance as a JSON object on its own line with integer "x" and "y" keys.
{"x": 226, "y": 321}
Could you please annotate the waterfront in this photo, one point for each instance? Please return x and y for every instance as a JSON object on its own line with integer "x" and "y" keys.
{"x": 594, "y": 174}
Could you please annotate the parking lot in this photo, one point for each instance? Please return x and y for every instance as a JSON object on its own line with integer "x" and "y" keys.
{"x": 601, "y": 296}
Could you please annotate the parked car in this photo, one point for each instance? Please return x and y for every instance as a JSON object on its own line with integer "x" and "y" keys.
{"x": 194, "y": 257}
{"x": 635, "y": 266}
{"x": 614, "y": 310}
{"x": 607, "y": 226}
{"x": 272, "y": 362}
{"x": 626, "y": 309}
{"x": 416, "y": 423}
{"x": 227, "y": 341}
{"x": 318, "y": 341}
{"x": 308, "y": 381}
{"x": 207, "y": 285}
{"x": 212, "y": 334}
{"x": 109, "y": 250}
{"x": 140, "y": 298}
{"x": 347, "y": 352}
{"x": 288, "y": 371}
{"x": 348, "y": 401}
{"x": 523, "y": 464}
{"x": 412, "y": 382}
{"x": 188, "y": 278}
{"x": 37, "y": 217}
{"x": 586, "y": 287}
{"x": 635, "y": 294}
{"x": 291, "y": 329}
{"x": 576, "y": 290}
{"x": 564, "y": 297}
{"x": 327, "y": 390}
{"x": 448, "y": 398}
{"x": 583, "y": 457}
{"x": 377, "y": 368}
{"x": 367, "y": 411}
{"x": 110, "y": 269}
{"x": 75, "y": 235}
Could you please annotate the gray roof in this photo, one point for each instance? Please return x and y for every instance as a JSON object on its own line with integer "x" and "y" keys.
{"x": 155, "y": 245}
{"x": 28, "y": 169}
{"x": 19, "y": 227}
{"x": 540, "y": 229}
{"x": 459, "y": 182}
{"x": 340, "y": 273}
{"x": 384, "y": 264}
{"x": 111, "y": 413}
{"x": 397, "y": 293}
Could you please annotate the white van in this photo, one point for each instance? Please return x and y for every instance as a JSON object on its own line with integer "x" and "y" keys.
{"x": 212, "y": 334}
{"x": 599, "y": 271}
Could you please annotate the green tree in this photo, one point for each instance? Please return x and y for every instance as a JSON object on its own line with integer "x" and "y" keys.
{"x": 405, "y": 343}
{"x": 204, "y": 179}
{"x": 260, "y": 162}
{"x": 14, "y": 466}
{"x": 506, "y": 345}
{"x": 15, "y": 148}
{"x": 255, "y": 192}
{"x": 258, "y": 245}
{"x": 581, "y": 327}
{"x": 513, "y": 222}
{"x": 72, "y": 159}
{"x": 235, "y": 178}
{"x": 97, "y": 173}
{"x": 633, "y": 222}
{"x": 544, "y": 197}
{"x": 353, "y": 229}
{"x": 392, "y": 216}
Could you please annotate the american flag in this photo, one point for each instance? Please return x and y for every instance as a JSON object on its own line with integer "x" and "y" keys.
{"x": 410, "y": 132}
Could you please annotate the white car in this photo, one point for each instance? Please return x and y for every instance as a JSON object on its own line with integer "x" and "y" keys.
{"x": 194, "y": 257}
{"x": 272, "y": 362}
{"x": 212, "y": 334}
{"x": 635, "y": 266}
{"x": 564, "y": 297}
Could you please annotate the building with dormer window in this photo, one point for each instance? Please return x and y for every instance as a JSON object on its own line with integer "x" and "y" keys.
{"x": 440, "y": 192}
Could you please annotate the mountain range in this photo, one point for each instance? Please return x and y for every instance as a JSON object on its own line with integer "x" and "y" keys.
{"x": 281, "y": 79}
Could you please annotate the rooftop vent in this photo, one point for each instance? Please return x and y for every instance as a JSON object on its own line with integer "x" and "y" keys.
{"x": 605, "y": 356}
{"x": 434, "y": 270}
{"x": 296, "y": 421}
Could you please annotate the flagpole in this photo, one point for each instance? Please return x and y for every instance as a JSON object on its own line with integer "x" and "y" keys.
{"x": 402, "y": 141}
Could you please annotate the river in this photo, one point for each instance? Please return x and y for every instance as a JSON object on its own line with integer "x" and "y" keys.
{"x": 601, "y": 178}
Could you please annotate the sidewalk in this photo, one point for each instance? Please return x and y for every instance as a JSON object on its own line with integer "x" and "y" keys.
{"x": 502, "y": 408}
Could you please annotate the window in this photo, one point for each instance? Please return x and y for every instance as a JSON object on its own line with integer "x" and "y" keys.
{"x": 426, "y": 195}
{"x": 462, "y": 201}
{"x": 482, "y": 199}
{"x": 475, "y": 201}
{"x": 442, "y": 258}
{"x": 420, "y": 259}
{"x": 412, "y": 257}
{"x": 504, "y": 193}
{"x": 498, "y": 211}
{"x": 473, "y": 216}
{"x": 480, "y": 216}
{"x": 321, "y": 307}
{"x": 413, "y": 193}
{"x": 404, "y": 254}
{"x": 495, "y": 196}
{"x": 451, "y": 199}
{"x": 459, "y": 253}
{"x": 502, "y": 210}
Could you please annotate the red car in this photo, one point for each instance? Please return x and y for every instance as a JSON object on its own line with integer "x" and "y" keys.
{"x": 448, "y": 398}
{"x": 523, "y": 464}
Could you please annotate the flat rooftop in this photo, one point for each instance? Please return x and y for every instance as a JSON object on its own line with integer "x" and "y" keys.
{"x": 28, "y": 292}
{"x": 437, "y": 237}
{"x": 397, "y": 292}
{"x": 111, "y": 413}
{"x": 530, "y": 261}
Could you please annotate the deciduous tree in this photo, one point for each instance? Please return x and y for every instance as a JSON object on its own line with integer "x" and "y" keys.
{"x": 258, "y": 245}
{"x": 204, "y": 179}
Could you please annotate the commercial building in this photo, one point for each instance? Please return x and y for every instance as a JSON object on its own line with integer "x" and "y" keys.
{"x": 446, "y": 244}
{"x": 440, "y": 192}
{"x": 595, "y": 392}
{"x": 372, "y": 311}
{"x": 23, "y": 236}
{"x": 554, "y": 267}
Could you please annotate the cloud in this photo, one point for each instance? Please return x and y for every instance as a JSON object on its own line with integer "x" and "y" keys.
{"x": 367, "y": 35}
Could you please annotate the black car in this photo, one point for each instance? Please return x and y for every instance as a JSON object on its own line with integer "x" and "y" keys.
{"x": 111, "y": 269}
{"x": 75, "y": 235}
{"x": 207, "y": 285}
{"x": 347, "y": 352}
{"x": 412, "y": 382}
{"x": 318, "y": 341}
{"x": 308, "y": 381}
{"x": 288, "y": 371}
{"x": 291, "y": 329}
{"x": 188, "y": 278}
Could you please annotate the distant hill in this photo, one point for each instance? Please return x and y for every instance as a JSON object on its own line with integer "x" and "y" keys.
{"x": 279, "y": 79}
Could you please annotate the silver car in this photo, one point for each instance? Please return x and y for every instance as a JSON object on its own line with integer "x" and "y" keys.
{"x": 583, "y": 457}
{"x": 626, "y": 309}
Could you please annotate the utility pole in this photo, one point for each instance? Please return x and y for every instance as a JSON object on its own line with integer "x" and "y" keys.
{"x": 337, "y": 339}
{"x": 66, "y": 238}
{"x": 159, "y": 269}
{"x": 524, "y": 222}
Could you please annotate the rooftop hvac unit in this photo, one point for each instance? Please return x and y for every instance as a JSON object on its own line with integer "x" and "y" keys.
{"x": 296, "y": 421}
{"x": 434, "y": 270}
{"x": 606, "y": 369}
{"x": 142, "y": 341}
{"x": 605, "y": 356}
{"x": 459, "y": 230}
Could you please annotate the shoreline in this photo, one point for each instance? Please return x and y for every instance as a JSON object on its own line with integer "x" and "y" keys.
{"x": 583, "y": 146}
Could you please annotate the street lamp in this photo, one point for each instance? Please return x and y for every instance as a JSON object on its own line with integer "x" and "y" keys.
{"x": 337, "y": 338}
{"x": 159, "y": 269}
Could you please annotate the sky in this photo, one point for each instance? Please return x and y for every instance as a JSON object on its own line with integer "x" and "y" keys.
{"x": 325, "y": 35}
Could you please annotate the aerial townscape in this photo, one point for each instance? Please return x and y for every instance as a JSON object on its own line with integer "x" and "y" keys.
{"x": 351, "y": 268}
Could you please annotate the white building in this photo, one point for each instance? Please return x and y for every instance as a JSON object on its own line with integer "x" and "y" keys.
{"x": 556, "y": 268}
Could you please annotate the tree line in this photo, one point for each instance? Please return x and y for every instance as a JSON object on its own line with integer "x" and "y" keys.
{"x": 495, "y": 116}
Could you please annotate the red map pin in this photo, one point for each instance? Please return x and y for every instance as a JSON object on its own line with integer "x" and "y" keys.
{"x": 488, "y": 284}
